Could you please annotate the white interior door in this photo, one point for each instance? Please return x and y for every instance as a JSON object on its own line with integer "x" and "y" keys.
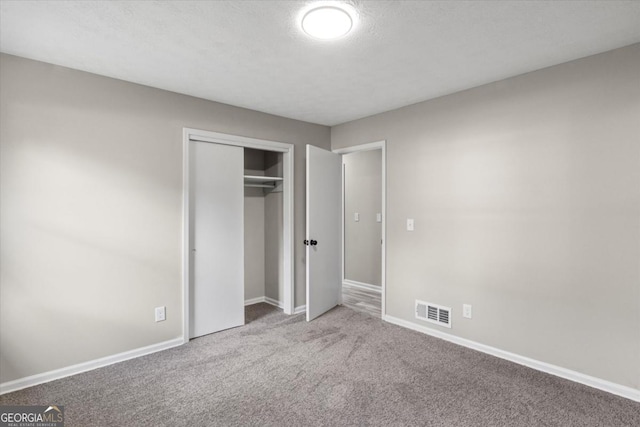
{"x": 216, "y": 236}
{"x": 323, "y": 239}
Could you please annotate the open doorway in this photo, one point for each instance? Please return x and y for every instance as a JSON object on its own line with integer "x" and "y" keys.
{"x": 363, "y": 228}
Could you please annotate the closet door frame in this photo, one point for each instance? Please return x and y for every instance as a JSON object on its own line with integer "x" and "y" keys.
{"x": 287, "y": 151}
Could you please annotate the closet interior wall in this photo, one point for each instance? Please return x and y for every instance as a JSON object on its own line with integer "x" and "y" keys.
{"x": 264, "y": 248}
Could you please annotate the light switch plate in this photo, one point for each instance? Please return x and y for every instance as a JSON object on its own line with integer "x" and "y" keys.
{"x": 410, "y": 226}
{"x": 378, "y": 217}
{"x": 356, "y": 217}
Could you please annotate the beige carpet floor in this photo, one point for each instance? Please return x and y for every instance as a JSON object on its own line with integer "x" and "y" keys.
{"x": 344, "y": 369}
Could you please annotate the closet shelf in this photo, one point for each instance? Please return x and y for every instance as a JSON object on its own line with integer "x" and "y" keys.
{"x": 261, "y": 181}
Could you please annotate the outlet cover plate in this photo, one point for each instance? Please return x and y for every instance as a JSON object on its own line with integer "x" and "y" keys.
{"x": 466, "y": 311}
{"x": 161, "y": 314}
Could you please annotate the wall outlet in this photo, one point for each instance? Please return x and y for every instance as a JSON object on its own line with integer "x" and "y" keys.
{"x": 466, "y": 311}
{"x": 409, "y": 224}
{"x": 161, "y": 314}
{"x": 356, "y": 217}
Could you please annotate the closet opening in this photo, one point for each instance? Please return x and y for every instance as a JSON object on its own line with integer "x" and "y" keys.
{"x": 263, "y": 225}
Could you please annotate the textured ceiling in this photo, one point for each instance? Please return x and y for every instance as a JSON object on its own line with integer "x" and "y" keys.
{"x": 252, "y": 54}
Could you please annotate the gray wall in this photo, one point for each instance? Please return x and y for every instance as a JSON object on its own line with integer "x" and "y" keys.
{"x": 273, "y": 243}
{"x": 254, "y": 243}
{"x": 363, "y": 194}
{"x": 526, "y": 200}
{"x": 91, "y": 210}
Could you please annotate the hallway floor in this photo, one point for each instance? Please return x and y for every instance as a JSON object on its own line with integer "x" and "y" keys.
{"x": 363, "y": 300}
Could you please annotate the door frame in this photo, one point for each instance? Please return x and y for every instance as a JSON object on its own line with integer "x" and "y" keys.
{"x": 287, "y": 150}
{"x": 378, "y": 145}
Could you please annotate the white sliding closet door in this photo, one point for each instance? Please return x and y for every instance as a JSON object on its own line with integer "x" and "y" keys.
{"x": 216, "y": 235}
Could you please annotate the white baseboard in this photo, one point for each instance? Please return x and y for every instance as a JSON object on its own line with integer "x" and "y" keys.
{"x": 362, "y": 285}
{"x": 57, "y": 374}
{"x": 275, "y": 303}
{"x": 604, "y": 385}
{"x": 30, "y": 381}
{"x": 268, "y": 300}
{"x": 254, "y": 301}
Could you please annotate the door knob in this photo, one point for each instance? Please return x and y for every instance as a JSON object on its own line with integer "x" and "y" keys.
{"x": 313, "y": 242}
{"x": 306, "y": 242}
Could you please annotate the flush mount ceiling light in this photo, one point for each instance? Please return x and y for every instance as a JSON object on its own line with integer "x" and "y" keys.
{"x": 328, "y": 21}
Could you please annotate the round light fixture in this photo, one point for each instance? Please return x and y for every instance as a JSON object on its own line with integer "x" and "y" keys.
{"x": 327, "y": 22}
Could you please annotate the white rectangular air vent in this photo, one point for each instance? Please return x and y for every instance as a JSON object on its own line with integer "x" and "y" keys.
{"x": 433, "y": 313}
